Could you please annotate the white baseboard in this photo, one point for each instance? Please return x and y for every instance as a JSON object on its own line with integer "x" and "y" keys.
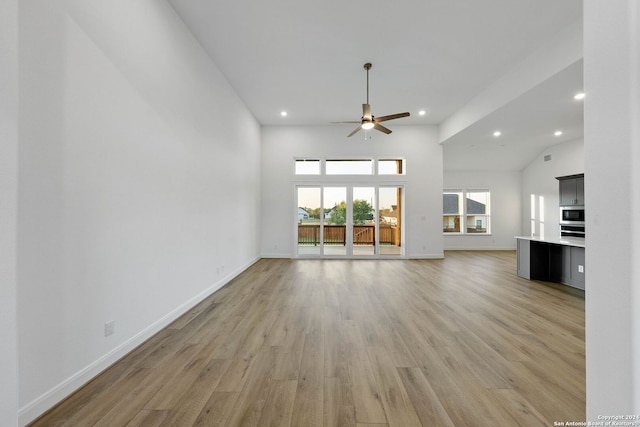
{"x": 46, "y": 401}
{"x": 426, "y": 256}
{"x": 481, "y": 248}
{"x": 276, "y": 256}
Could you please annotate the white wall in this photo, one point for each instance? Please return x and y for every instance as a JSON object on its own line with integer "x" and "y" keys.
{"x": 553, "y": 55}
{"x": 423, "y": 181}
{"x": 539, "y": 180}
{"x": 505, "y": 209}
{"x": 139, "y": 185}
{"x": 612, "y": 194}
{"x": 8, "y": 210}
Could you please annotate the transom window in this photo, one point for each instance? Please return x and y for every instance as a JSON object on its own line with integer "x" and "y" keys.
{"x": 311, "y": 166}
{"x": 349, "y": 167}
{"x": 307, "y": 167}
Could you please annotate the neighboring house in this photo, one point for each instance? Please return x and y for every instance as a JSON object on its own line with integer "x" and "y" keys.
{"x": 451, "y": 203}
{"x": 329, "y": 212}
{"x": 302, "y": 214}
{"x": 391, "y": 218}
{"x": 476, "y": 223}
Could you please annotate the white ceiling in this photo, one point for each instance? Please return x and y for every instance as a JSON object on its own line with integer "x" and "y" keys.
{"x": 435, "y": 55}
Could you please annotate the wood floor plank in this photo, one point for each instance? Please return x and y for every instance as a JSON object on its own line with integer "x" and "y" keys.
{"x": 310, "y": 386}
{"x": 97, "y": 390}
{"x": 136, "y": 397}
{"x": 250, "y": 403}
{"x": 425, "y": 400}
{"x": 397, "y": 405}
{"x": 148, "y": 418}
{"x": 459, "y": 341}
{"x": 367, "y": 399}
{"x": 185, "y": 412}
{"x": 217, "y": 410}
{"x": 519, "y": 408}
{"x": 339, "y": 410}
{"x": 279, "y": 403}
{"x": 91, "y": 413}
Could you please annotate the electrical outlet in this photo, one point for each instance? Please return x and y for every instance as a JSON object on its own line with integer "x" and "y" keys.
{"x": 109, "y": 328}
{"x": 580, "y": 268}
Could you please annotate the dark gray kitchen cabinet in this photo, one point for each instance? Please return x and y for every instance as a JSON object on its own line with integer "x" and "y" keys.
{"x": 577, "y": 267}
{"x": 571, "y": 190}
{"x": 553, "y": 262}
{"x": 524, "y": 258}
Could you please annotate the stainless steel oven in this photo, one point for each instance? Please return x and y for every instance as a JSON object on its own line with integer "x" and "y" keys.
{"x": 572, "y": 221}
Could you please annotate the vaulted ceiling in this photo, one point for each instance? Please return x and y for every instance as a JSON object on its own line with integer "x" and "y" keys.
{"x": 439, "y": 56}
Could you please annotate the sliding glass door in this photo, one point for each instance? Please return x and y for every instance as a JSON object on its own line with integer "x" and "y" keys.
{"x": 349, "y": 221}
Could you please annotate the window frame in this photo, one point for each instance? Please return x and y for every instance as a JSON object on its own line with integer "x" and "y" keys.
{"x": 375, "y": 167}
{"x": 464, "y": 214}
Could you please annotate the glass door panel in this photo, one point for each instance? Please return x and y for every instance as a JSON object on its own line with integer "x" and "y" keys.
{"x": 390, "y": 222}
{"x": 334, "y": 240}
{"x": 309, "y": 221}
{"x": 363, "y": 220}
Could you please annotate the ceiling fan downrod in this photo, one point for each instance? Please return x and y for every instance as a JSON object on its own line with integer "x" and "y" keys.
{"x": 367, "y": 67}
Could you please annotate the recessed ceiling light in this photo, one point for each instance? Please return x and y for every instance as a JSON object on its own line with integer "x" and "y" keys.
{"x": 497, "y": 133}
{"x": 579, "y": 96}
{"x": 558, "y": 133}
{"x": 283, "y": 113}
{"x": 422, "y": 112}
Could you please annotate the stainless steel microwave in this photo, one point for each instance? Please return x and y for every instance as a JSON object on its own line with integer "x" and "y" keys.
{"x": 572, "y": 215}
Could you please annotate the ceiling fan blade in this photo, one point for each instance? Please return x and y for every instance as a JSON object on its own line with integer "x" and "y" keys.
{"x": 381, "y": 128}
{"x": 391, "y": 117}
{"x": 351, "y": 121}
{"x": 355, "y": 131}
{"x": 366, "y": 112}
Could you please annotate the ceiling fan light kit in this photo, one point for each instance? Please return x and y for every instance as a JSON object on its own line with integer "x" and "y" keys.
{"x": 368, "y": 120}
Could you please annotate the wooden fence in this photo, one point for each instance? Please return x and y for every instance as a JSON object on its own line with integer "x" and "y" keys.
{"x": 309, "y": 234}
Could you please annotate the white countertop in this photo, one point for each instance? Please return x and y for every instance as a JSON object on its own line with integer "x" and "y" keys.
{"x": 567, "y": 241}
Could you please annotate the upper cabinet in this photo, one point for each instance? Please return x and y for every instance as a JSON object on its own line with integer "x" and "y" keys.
{"x": 572, "y": 190}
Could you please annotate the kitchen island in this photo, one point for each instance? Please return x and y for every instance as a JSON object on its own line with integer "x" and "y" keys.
{"x": 552, "y": 259}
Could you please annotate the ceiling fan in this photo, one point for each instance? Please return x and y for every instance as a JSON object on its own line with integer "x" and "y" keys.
{"x": 368, "y": 120}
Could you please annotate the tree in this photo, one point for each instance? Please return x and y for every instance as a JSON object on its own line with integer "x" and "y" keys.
{"x": 362, "y": 212}
{"x": 315, "y": 213}
{"x": 339, "y": 214}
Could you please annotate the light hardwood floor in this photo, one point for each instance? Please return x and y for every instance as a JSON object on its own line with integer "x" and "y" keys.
{"x": 456, "y": 342}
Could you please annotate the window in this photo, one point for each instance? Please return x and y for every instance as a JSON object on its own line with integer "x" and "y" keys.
{"x": 349, "y": 167}
{"x": 307, "y": 167}
{"x": 477, "y": 210}
{"x": 317, "y": 166}
{"x": 466, "y": 211}
{"x": 452, "y": 211}
{"x": 390, "y": 167}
